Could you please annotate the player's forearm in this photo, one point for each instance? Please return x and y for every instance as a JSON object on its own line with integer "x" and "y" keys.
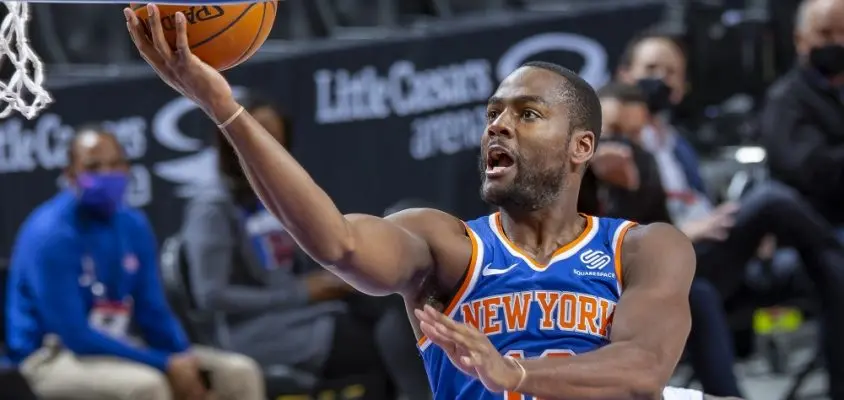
{"x": 287, "y": 190}
{"x": 617, "y": 371}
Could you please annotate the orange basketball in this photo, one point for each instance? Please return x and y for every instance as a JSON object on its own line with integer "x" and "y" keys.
{"x": 221, "y": 35}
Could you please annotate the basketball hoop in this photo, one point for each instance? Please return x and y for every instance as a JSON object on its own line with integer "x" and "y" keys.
{"x": 24, "y": 91}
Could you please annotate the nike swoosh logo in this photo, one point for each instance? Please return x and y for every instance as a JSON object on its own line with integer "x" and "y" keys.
{"x": 489, "y": 271}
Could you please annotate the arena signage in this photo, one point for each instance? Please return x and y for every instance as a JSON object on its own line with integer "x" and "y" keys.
{"x": 374, "y": 122}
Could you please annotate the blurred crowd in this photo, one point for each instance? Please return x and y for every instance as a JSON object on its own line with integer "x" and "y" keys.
{"x": 232, "y": 307}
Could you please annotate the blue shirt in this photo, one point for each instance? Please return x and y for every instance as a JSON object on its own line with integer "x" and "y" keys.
{"x": 47, "y": 292}
{"x": 530, "y": 310}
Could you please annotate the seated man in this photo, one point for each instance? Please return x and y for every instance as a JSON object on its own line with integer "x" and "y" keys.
{"x": 625, "y": 114}
{"x": 245, "y": 265}
{"x": 801, "y": 121}
{"x": 726, "y": 237}
{"x": 84, "y": 271}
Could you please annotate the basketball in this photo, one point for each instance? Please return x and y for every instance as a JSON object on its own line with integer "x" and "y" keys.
{"x": 221, "y": 35}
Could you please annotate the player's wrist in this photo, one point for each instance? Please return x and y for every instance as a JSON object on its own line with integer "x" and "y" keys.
{"x": 221, "y": 110}
{"x": 517, "y": 376}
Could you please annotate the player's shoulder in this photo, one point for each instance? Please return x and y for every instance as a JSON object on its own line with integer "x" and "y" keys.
{"x": 655, "y": 234}
{"x": 427, "y": 221}
{"x": 450, "y": 241}
{"x": 649, "y": 243}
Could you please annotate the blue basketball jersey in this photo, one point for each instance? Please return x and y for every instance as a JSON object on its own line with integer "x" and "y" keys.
{"x": 530, "y": 310}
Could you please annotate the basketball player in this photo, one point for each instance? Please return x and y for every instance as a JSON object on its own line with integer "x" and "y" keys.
{"x": 536, "y": 282}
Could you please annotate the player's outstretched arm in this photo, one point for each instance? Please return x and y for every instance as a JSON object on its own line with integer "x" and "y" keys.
{"x": 376, "y": 255}
{"x": 649, "y": 329}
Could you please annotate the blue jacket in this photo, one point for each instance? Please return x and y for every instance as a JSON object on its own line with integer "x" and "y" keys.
{"x": 687, "y": 157}
{"x": 46, "y": 294}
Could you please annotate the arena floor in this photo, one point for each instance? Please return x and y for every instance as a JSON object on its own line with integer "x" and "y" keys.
{"x": 759, "y": 383}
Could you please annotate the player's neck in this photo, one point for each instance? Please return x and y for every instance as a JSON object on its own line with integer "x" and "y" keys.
{"x": 544, "y": 231}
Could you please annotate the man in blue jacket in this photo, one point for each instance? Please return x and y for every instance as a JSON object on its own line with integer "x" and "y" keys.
{"x": 83, "y": 272}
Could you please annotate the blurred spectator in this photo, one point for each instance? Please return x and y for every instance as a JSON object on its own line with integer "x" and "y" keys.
{"x": 280, "y": 306}
{"x": 623, "y": 180}
{"x": 625, "y": 114}
{"x": 84, "y": 269}
{"x": 726, "y": 237}
{"x": 801, "y": 123}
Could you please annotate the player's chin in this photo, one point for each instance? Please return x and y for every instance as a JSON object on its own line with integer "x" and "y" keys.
{"x": 494, "y": 191}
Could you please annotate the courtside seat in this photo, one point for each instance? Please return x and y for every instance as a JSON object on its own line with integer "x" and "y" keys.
{"x": 209, "y": 328}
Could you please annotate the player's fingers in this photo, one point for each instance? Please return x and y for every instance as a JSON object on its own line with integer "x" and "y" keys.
{"x": 182, "y": 45}
{"x": 136, "y": 32}
{"x": 434, "y": 334}
{"x": 157, "y": 33}
{"x": 469, "y": 338}
{"x": 423, "y": 316}
{"x": 439, "y": 317}
{"x": 451, "y": 334}
{"x": 142, "y": 43}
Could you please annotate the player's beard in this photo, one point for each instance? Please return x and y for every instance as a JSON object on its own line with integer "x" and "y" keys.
{"x": 531, "y": 189}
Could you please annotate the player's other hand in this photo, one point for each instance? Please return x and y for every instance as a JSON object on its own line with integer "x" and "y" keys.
{"x": 179, "y": 67}
{"x": 470, "y": 350}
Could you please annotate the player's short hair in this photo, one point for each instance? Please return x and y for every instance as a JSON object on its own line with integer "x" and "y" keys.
{"x": 89, "y": 127}
{"x": 578, "y": 95}
{"x": 629, "y": 53}
{"x": 624, "y": 93}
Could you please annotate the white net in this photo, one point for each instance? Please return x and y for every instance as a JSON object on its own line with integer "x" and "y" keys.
{"x": 23, "y": 91}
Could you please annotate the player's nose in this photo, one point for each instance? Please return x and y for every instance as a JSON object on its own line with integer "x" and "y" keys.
{"x": 500, "y": 127}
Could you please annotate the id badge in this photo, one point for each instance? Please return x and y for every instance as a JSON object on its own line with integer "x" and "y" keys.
{"x": 110, "y": 318}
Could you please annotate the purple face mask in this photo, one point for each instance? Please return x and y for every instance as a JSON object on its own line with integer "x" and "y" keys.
{"x": 102, "y": 193}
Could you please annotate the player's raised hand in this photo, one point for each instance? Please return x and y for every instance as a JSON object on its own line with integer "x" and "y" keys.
{"x": 179, "y": 67}
{"x": 470, "y": 351}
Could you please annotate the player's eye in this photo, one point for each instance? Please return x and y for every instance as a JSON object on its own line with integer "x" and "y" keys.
{"x": 491, "y": 115}
{"x": 529, "y": 114}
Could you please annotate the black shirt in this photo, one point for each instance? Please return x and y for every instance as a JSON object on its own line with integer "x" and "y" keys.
{"x": 802, "y": 130}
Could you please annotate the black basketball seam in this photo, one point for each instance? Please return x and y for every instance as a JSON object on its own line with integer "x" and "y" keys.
{"x": 221, "y": 31}
{"x": 254, "y": 39}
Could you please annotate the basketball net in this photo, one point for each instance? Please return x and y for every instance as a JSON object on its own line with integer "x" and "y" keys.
{"x": 24, "y": 91}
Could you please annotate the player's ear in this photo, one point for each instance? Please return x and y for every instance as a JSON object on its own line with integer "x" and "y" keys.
{"x": 582, "y": 147}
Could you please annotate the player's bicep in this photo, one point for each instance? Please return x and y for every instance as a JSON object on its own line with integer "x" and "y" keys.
{"x": 397, "y": 252}
{"x": 653, "y": 312}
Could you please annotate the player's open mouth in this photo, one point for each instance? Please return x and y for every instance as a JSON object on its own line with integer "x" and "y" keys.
{"x": 498, "y": 161}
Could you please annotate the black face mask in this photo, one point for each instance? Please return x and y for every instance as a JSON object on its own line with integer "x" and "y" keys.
{"x": 828, "y": 59}
{"x": 657, "y": 94}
